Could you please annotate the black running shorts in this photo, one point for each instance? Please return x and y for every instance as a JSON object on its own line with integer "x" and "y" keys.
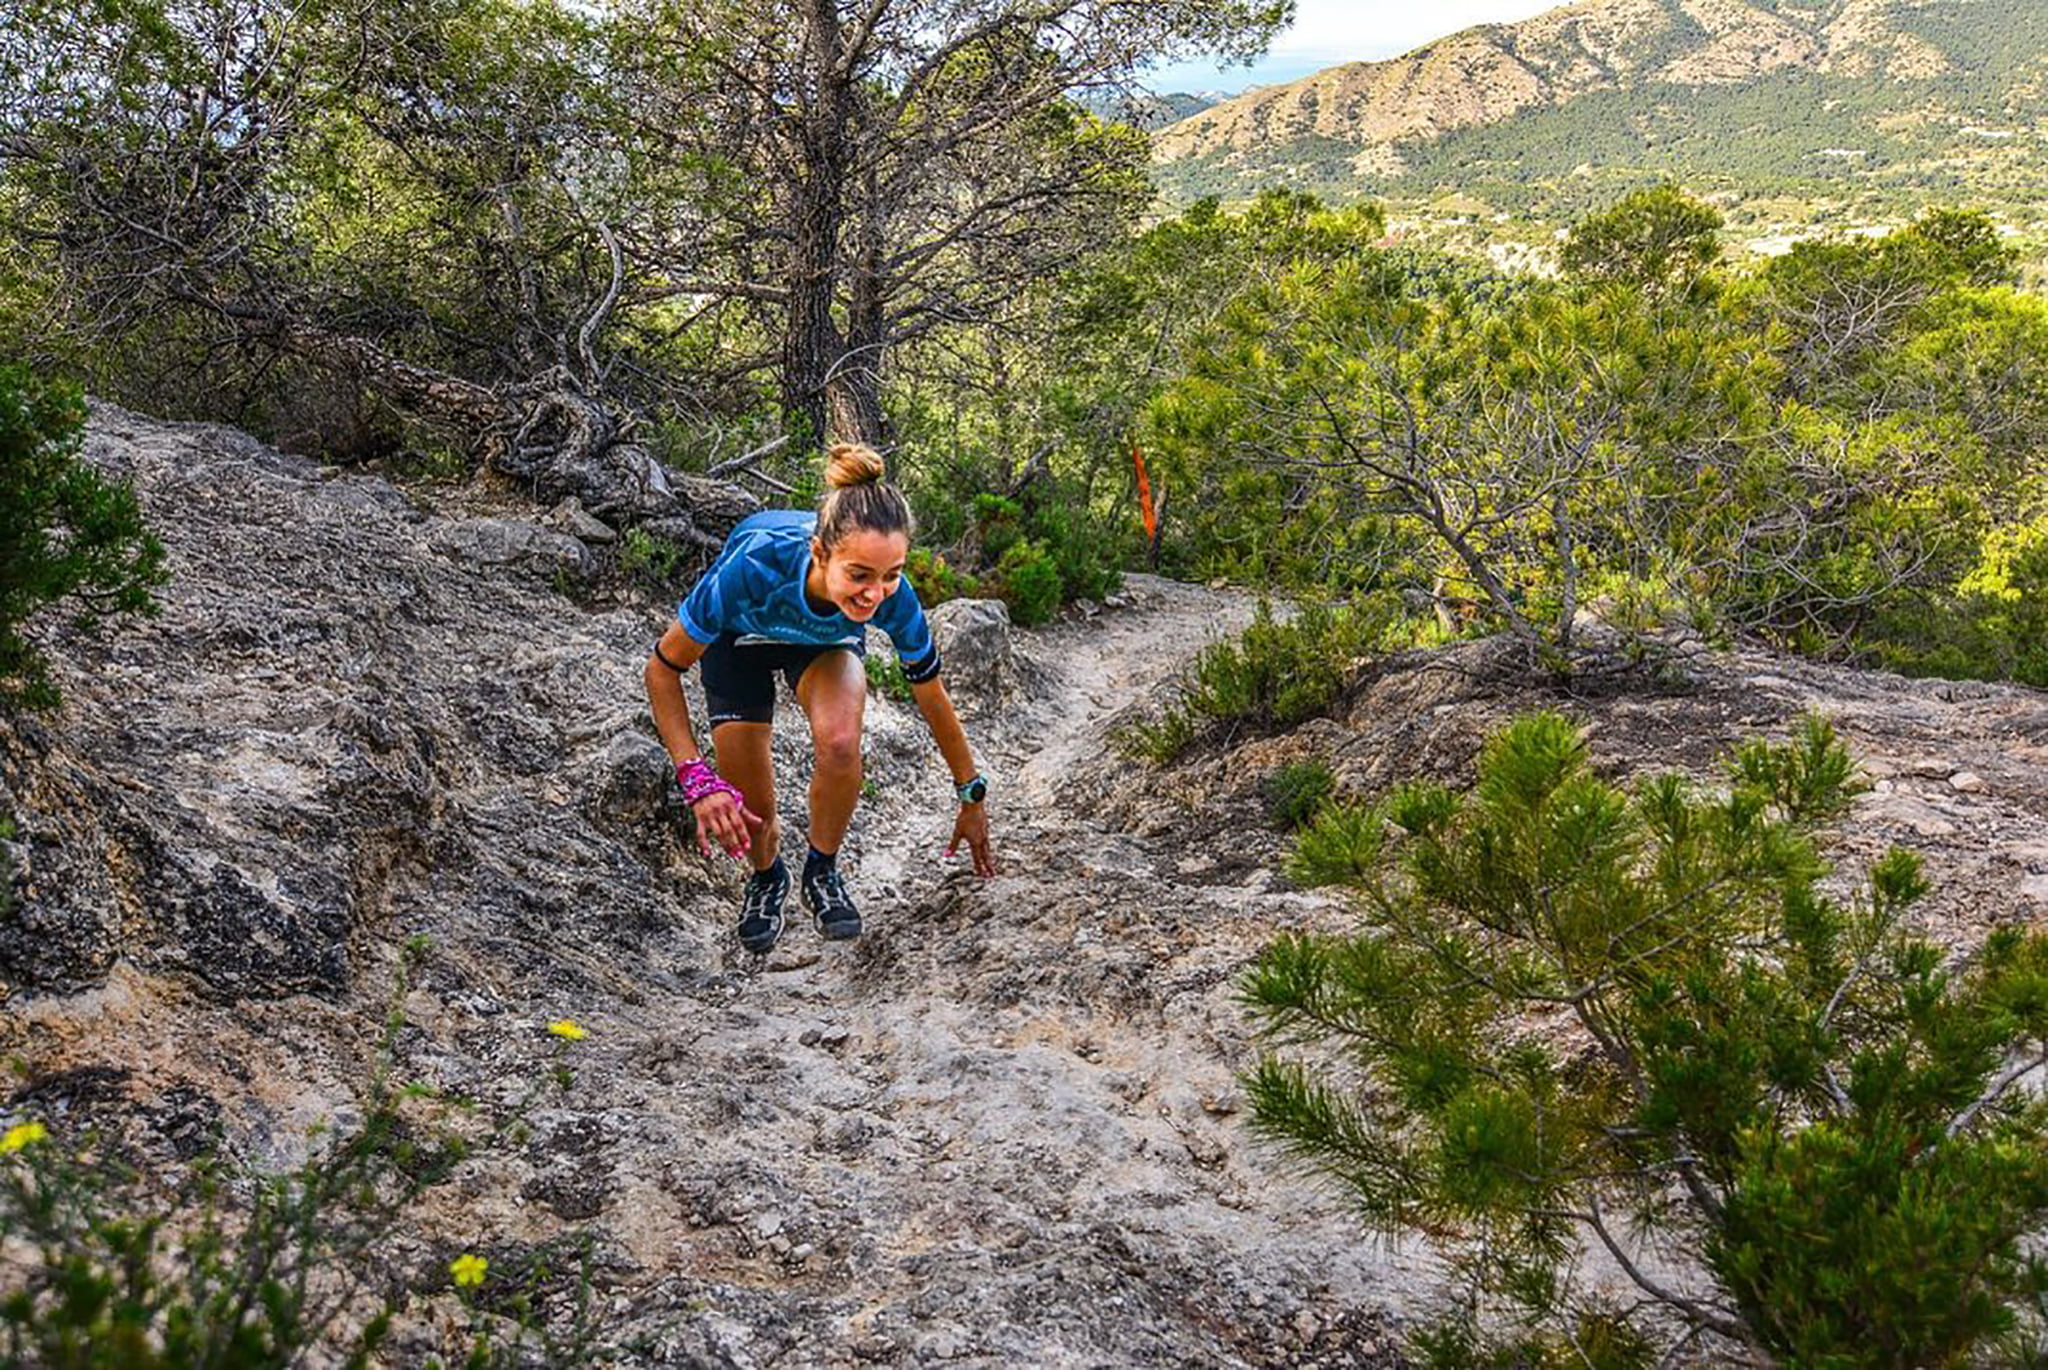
{"x": 739, "y": 677}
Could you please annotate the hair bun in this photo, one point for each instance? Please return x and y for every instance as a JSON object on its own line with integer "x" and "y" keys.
{"x": 850, "y": 463}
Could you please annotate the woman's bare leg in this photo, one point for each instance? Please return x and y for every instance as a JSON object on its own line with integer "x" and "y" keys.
{"x": 833, "y": 691}
{"x": 746, "y": 759}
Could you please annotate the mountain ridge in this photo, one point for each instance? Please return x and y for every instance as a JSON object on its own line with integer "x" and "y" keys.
{"x": 1934, "y": 65}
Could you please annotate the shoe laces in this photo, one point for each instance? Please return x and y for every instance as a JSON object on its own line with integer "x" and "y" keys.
{"x": 828, "y": 892}
{"x": 764, "y": 895}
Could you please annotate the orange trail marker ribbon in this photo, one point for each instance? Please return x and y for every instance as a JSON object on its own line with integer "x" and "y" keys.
{"x": 1145, "y": 496}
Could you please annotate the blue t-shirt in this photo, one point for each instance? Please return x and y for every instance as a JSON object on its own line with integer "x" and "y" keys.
{"x": 755, "y": 591}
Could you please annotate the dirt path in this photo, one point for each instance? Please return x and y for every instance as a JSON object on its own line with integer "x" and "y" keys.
{"x": 1002, "y": 1127}
{"x": 1102, "y": 665}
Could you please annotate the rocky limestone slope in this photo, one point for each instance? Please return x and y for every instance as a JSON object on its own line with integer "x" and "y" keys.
{"x": 1957, "y": 770}
{"x": 1000, "y": 1129}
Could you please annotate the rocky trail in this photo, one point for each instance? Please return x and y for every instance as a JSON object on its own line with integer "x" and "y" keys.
{"x": 1002, "y": 1128}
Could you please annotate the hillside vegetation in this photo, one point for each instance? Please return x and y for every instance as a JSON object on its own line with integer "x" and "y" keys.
{"x": 1887, "y": 100}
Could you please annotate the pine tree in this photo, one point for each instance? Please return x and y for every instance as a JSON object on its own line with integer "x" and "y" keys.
{"x": 65, "y": 534}
{"x": 1579, "y": 1018}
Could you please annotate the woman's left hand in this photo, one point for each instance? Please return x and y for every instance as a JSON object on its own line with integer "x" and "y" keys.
{"x": 972, "y": 828}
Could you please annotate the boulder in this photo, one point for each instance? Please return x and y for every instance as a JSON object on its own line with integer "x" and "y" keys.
{"x": 976, "y": 649}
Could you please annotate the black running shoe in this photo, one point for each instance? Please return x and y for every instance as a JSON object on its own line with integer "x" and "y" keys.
{"x": 761, "y": 908}
{"x": 825, "y": 895}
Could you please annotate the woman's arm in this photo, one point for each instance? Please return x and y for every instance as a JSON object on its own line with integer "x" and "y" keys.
{"x": 718, "y": 815}
{"x": 972, "y": 826}
{"x": 665, "y": 692}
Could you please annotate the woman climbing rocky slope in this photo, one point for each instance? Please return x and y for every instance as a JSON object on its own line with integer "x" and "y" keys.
{"x": 1000, "y": 1128}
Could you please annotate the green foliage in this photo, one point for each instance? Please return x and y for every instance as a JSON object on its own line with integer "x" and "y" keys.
{"x": 1000, "y": 522}
{"x": 1340, "y": 846}
{"x": 237, "y": 1270}
{"x": 1091, "y": 352}
{"x": 405, "y": 206}
{"x": 656, "y": 562}
{"x": 936, "y": 581}
{"x": 1028, "y": 580}
{"x": 1996, "y": 627}
{"x": 1824, "y": 453}
{"x": 66, "y": 535}
{"x": 885, "y": 678}
{"x": 1491, "y": 460}
{"x": 1576, "y": 1015}
{"x": 1655, "y": 239}
{"x": 1296, "y": 791}
{"x": 1969, "y": 243}
{"x": 1841, "y": 302}
{"x": 1034, "y": 550}
{"x": 1275, "y": 675}
{"x": 1809, "y": 779}
{"x": 1159, "y": 738}
{"x": 1598, "y": 1341}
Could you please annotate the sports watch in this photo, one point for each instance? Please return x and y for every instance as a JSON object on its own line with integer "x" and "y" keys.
{"x": 974, "y": 791}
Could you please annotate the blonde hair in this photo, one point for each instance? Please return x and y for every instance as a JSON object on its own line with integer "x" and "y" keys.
{"x": 856, "y": 498}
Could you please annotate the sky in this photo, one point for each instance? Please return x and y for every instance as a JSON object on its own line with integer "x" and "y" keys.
{"x": 1328, "y": 32}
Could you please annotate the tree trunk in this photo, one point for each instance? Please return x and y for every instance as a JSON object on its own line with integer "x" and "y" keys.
{"x": 855, "y": 393}
{"x": 813, "y": 349}
{"x": 811, "y": 344}
{"x": 831, "y": 374}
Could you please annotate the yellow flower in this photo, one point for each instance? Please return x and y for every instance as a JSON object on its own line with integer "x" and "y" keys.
{"x": 568, "y": 1027}
{"x": 468, "y": 1269}
{"x": 21, "y": 1135}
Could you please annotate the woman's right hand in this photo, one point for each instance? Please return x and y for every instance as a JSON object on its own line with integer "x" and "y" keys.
{"x": 725, "y": 818}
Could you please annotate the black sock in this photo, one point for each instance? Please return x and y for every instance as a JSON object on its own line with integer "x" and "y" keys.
{"x": 817, "y": 862}
{"x": 773, "y": 871}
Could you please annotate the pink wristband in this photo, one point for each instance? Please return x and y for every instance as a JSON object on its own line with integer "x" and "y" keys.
{"x": 700, "y": 781}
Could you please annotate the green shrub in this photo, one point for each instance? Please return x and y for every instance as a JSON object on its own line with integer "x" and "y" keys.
{"x": 1276, "y": 674}
{"x": 1028, "y": 581}
{"x": 999, "y": 520}
{"x": 1273, "y": 676}
{"x": 1157, "y": 739}
{"x": 655, "y": 562}
{"x": 1279, "y": 675}
{"x": 885, "y": 678}
{"x": 1658, "y": 239}
{"x": 1577, "y": 1017}
{"x": 1598, "y": 1341}
{"x": 935, "y": 581}
{"x": 1995, "y": 626}
{"x": 65, "y": 534}
{"x": 1340, "y": 846}
{"x": 1085, "y": 558}
{"x": 1294, "y": 792}
{"x": 1057, "y": 516}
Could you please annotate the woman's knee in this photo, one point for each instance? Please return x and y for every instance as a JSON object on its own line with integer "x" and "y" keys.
{"x": 838, "y": 747}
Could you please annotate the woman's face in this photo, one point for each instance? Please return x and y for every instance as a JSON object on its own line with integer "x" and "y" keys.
{"x": 862, "y": 571}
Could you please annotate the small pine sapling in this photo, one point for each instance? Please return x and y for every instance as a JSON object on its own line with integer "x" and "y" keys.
{"x": 1580, "y": 1019}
